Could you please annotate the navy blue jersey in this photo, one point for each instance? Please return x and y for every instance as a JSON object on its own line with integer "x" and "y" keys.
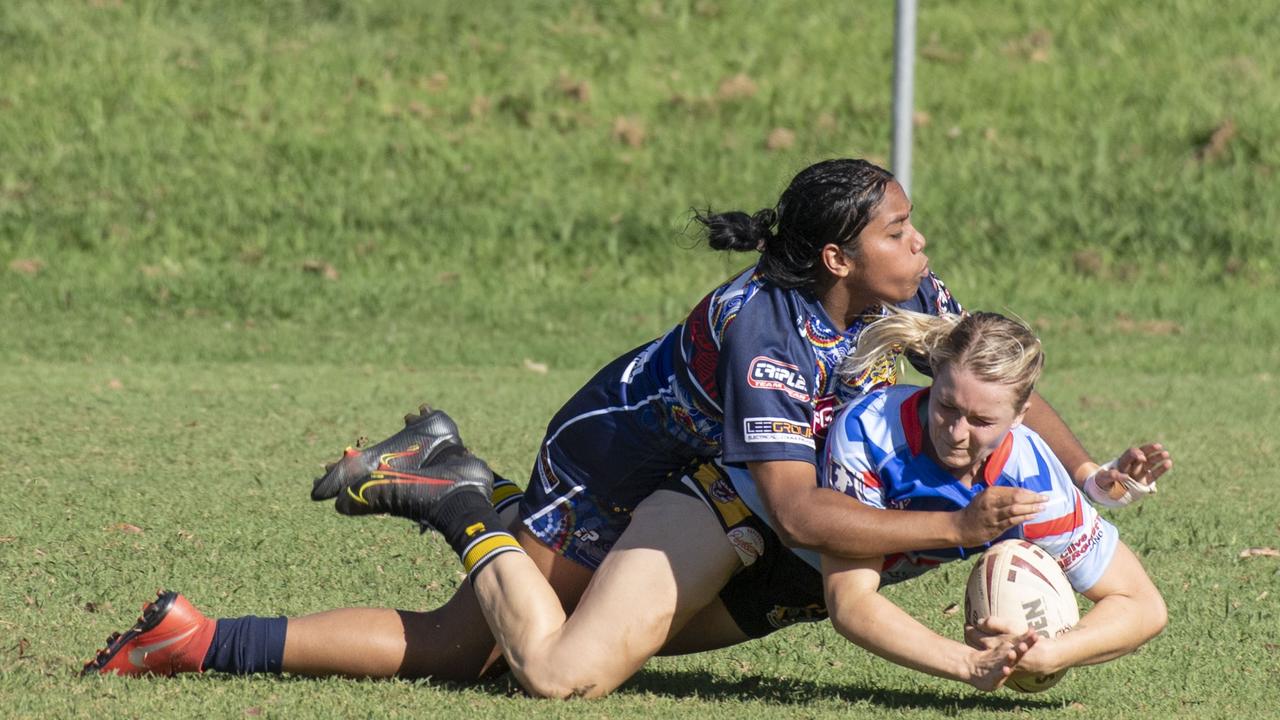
{"x": 750, "y": 375}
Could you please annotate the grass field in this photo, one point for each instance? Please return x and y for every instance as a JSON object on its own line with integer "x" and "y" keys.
{"x": 236, "y": 237}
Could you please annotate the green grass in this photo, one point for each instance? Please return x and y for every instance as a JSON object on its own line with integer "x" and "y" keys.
{"x": 211, "y": 463}
{"x": 170, "y": 158}
{"x": 169, "y": 171}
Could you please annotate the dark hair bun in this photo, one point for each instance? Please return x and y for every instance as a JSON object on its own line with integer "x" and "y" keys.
{"x": 764, "y": 222}
{"x": 737, "y": 231}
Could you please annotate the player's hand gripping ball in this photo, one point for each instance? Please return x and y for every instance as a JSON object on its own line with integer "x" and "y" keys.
{"x": 1023, "y": 585}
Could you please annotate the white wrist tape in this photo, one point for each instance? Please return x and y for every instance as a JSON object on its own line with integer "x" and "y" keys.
{"x": 1133, "y": 490}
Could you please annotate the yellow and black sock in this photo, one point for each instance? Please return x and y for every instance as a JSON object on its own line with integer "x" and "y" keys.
{"x": 505, "y": 493}
{"x": 471, "y": 526}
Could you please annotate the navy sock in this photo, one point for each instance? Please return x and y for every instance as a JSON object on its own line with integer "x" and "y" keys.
{"x": 246, "y": 645}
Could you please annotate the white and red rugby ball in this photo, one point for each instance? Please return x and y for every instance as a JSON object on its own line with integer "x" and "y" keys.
{"x": 1018, "y": 581}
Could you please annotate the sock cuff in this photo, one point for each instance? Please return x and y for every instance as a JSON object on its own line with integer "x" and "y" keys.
{"x": 485, "y": 548}
{"x": 247, "y": 645}
{"x": 505, "y": 494}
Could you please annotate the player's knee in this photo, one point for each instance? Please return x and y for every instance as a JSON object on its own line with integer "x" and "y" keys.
{"x": 564, "y": 683}
{"x": 585, "y": 673}
{"x": 1158, "y": 615}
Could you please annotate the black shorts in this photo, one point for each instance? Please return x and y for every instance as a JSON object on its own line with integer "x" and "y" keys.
{"x": 774, "y": 588}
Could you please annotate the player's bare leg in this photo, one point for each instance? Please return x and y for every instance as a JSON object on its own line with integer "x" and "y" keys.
{"x": 452, "y": 642}
{"x": 669, "y": 564}
{"x": 383, "y": 643}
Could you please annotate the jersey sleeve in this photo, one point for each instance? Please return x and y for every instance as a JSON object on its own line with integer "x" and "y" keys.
{"x": 766, "y": 379}
{"x": 848, "y": 463}
{"x": 1069, "y": 528}
{"x": 932, "y": 298}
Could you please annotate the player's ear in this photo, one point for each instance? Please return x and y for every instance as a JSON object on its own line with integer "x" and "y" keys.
{"x": 836, "y": 260}
{"x": 1017, "y": 420}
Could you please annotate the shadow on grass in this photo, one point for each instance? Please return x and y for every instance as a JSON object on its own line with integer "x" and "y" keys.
{"x": 686, "y": 684}
{"x": 792, "y": 691}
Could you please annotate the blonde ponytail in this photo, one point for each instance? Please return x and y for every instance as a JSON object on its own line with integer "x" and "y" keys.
{"x": 991, "y": 346}
{"x": 900, "y": 331}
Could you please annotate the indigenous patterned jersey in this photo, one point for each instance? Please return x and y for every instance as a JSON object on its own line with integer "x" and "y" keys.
{"x": 874, "y": 454}
{"x": 750, "y": 375}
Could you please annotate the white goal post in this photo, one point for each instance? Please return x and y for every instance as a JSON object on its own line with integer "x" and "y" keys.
{"x": 904, "y": 58}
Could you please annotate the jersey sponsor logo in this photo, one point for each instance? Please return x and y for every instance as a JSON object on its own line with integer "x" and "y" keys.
{"x": 838, "y": 478}
{"x": 771, "y": 429}
{"x": 824, "y": 412}
{"x": 722, "y": 492}
{"x": 547, "y": 474}
{"x": 768, "y": 374}
{"x": 905, "y": 566}
{"x": 1081, "y": 546}
{"x": 748, "y": 542}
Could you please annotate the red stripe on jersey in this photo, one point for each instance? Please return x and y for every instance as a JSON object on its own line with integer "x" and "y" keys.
{"x": 911, "y": 420}
{"x": 1056, "y": 526}
{"x": 994, "y": 465}
{"x": 870, "y": 480}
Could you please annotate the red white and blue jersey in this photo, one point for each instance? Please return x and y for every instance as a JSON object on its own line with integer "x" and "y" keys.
{"x": 875, "y": 454}
{"x": 750, "y": 375}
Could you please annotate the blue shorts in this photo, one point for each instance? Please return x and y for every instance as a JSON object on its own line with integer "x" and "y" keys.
{"x": 605, "y": 451}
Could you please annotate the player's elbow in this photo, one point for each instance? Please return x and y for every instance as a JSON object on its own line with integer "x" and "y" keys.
{"x": 793, "y": 534}
{"x": 791, "y": 524}
{"x": 1151, "y": 616}
{"x": 845, "y": 616}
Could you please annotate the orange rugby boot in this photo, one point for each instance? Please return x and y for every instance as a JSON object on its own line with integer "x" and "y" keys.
{"x": 170, "y": 637}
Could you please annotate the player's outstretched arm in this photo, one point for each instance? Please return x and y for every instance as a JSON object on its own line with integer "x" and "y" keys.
{"x": 865, "y": 617}
{"x": 1129, "y": 612}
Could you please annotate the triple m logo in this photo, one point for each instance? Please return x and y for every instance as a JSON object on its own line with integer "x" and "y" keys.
{"x": 768, "y": 374}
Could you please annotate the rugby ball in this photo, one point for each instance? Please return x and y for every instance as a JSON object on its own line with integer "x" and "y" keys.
{"x": 1017, "y": 581}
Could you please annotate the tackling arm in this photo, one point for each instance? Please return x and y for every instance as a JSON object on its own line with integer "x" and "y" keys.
{"x": 820, "y": 519}
{"x": 1137, "y": 469}
{"x": 1046, "y": 421}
